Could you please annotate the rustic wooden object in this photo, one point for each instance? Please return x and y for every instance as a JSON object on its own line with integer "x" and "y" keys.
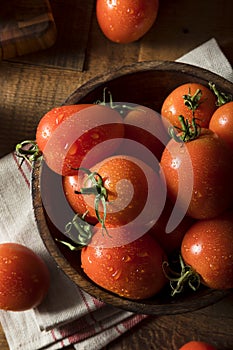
{"x": 25, "y": 26}
{"x": 153, "y": 79}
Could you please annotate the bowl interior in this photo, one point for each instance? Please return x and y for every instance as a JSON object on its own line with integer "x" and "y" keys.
{"x": 147, "y": 84}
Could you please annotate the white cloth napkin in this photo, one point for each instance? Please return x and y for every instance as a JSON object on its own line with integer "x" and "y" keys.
{"x": 209, "y": 56}
{"x": 68, "y": 315}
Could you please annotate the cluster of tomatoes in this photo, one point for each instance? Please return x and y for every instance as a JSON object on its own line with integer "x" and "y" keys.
{"x": 144, "y": 186}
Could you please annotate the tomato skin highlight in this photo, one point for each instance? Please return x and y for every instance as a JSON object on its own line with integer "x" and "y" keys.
{"x": 24, "y": 278}
{"x": 221, "y": 123}
{"x": 197, "y": 345}
{"x": 208, "y": 247}
{"x": 75, "y": 135}
{"x": 212, "y": 169}
{"x": 126, "y": 21}
{"x": 132, "y": 271}
{"x": 174, "y": 105}
{"x": 52, "y": 119}
{"x": 130, "y": 185}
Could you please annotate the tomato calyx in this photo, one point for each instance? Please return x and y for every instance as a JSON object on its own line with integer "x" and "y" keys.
{"x": 29, "y": 151}
{"x": 193, "y": 101}
{"x": 179, "y": 279}
{"x": 99, "y": 191}
{"x": 122, "y": 109}
{"x": 187, "y": 132}
{"x": 82, "y": 234}
{"x": 222, "y": 97}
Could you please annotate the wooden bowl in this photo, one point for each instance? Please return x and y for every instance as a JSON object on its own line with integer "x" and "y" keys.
{"x": 146, "y": 83}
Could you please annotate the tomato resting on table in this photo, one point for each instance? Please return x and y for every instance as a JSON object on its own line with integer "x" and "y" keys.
{"x": 24, "y": 278}
{"x": 208, "y": 248}
{"x": 132, "y": 270}
{"x": 70, "y": 136}
{"x": 199, "y": 174}
{"x": 126, "y": 21}
{"x": 197, "y": 345}
{"x": 189, "y": 100}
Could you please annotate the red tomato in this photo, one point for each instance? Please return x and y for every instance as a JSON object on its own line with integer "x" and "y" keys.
{"x": 68, "y": 136}
{"x": 52, "y": 119}
{"x": 24, "y": 278}
{"x": 130, "y": 189}
{"x": 197, "y": 345}
{"x": 202, "y": 109}
{"x": 71, "y": 185}
{"x": 170, "y": 241}
{"x": 221, "y": 123}
{"x": 126, "y": 21}
{"x": 144, "y": 126}
{"x": 208, "y": 248}
{"x": 133, "y": 270}
{"x": 199, "y": 174}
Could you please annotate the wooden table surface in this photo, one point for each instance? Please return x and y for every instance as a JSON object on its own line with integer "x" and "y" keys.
{"x": 32, "y": 84}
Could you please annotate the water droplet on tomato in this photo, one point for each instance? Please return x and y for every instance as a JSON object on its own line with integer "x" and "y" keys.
{"x": 126, "y": 258}
{"x": 116, "y": 275}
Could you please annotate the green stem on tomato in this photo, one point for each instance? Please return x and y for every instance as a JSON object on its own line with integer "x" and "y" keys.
{"x": 193, "y": 101}
{"x": 80, "y": 236}
{"x": 28, "y": 150}
{"x": 121, "y": 108}
{"x": 178, "y": 280}
{"x": 98, "y": 190}
{"x": 222, "y": 98}
{"x": 187, "y": 132}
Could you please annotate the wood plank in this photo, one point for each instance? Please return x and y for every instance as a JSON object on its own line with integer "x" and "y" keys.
{"x": 25, "y": 26}
{"x": 72, "y": 19}
{"x": 181, "y": 26}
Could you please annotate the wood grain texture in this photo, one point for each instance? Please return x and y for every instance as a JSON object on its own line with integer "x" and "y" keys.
{"x": 72, "y": 19}
{"x": 30, "y": 87}
{"x": 25, "y": 26}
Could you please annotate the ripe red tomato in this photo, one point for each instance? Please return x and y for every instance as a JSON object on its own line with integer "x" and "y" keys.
{"x": 199, "y": 174}
{"x": 129, "y": 188}
{"x": 144, "y": 126}
{"x": 170, "y": 241}
{"x": 221, "y": 123}
{"x": 24, "y": 278}
{"x": 126, "y": 21}
{"x": 52, "y": 119}
{"x": 131, "y": 270}
{"x": 70, "y": 136}
{"x": 208, "y": 247}
{"x": 204, "y": 104}
{"x": 197, "y": 345}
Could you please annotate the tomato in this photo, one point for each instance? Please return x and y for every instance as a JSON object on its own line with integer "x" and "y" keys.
{"x": 24, "y": 278}
{"x": 221, "y": 123}
{"x": 71, "y": 135}
{"x": 71, "y": 187}
{"x": 170, "y": 241}
{"x": 208, "y": 248}
{"x": 198, "y": 174}
{"x": 197, "y": 345}
{"x": 126, "y": 21}
{"x": 52, "y": 119}
{"x": 127, "y": 190}
{"x": 131, "y": 270}
{"x": 144, "y": 126}
{"x": 203, "y": 104}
